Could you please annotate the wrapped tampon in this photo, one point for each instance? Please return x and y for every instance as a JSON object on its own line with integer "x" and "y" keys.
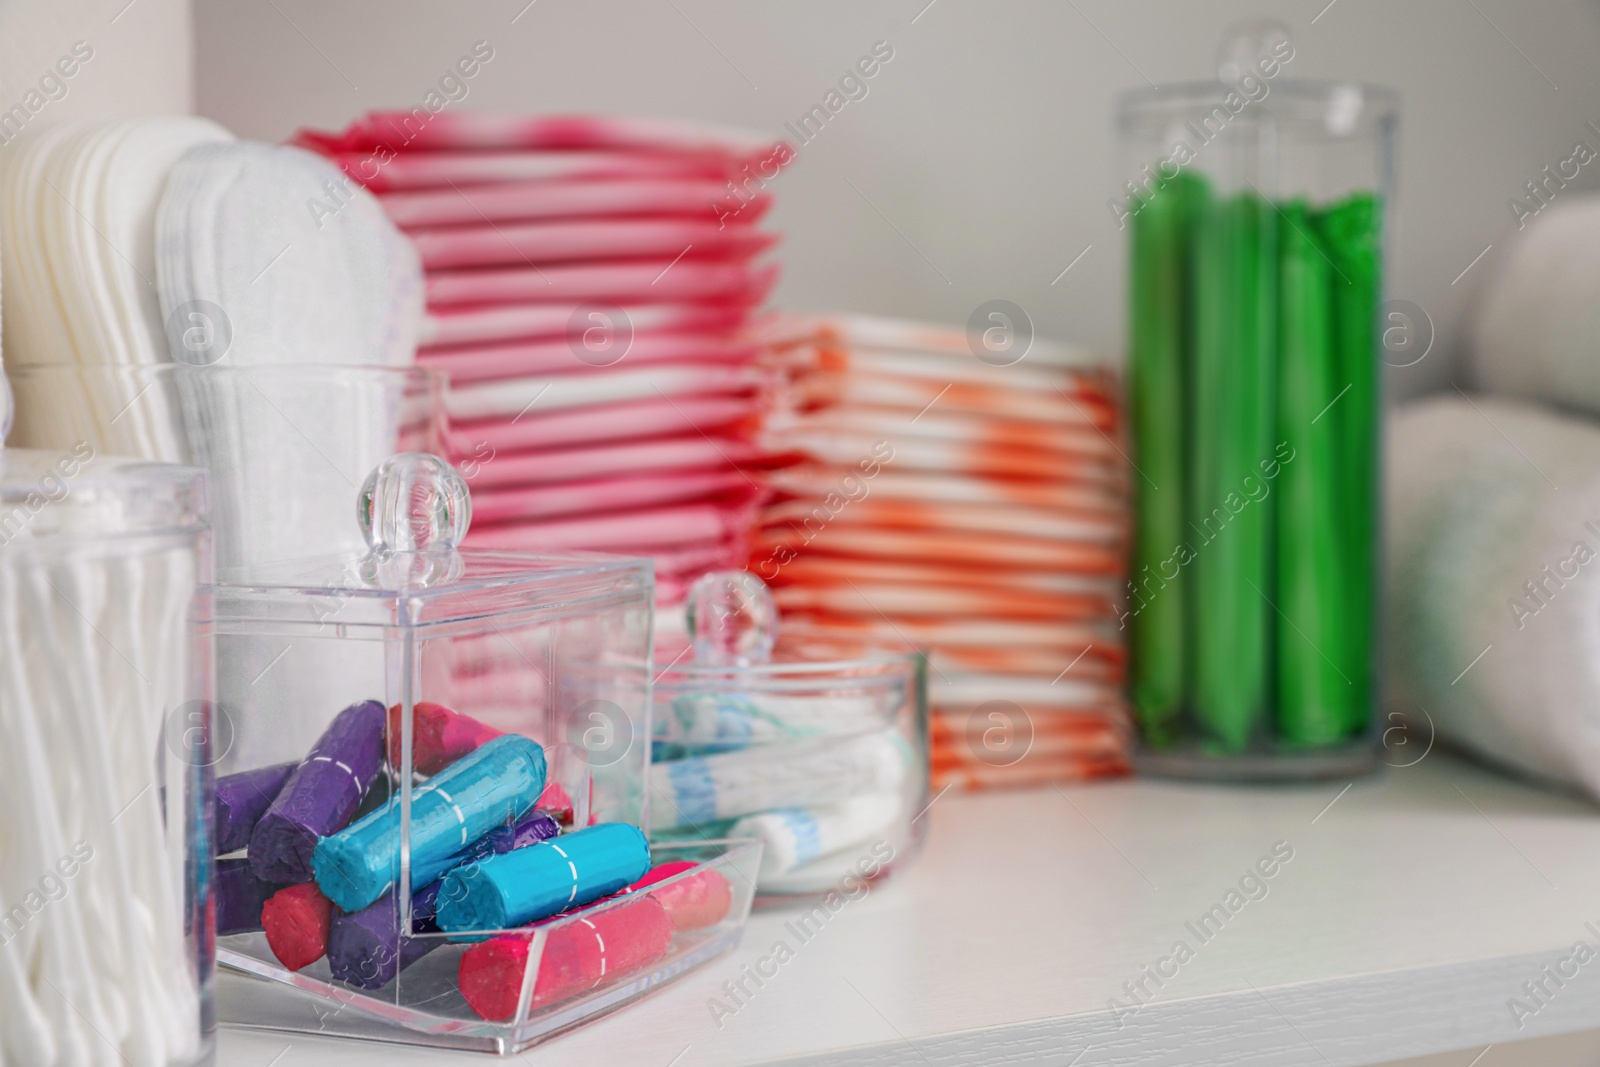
{"x": 321, "y": 795}
{"x": 534, "y": 883}
{"x": 696, "y": 902}
{"x": 558, "y": 802}
{"x": 297, "y": 919}
{"x": 368, "y": 948}
{"x": 239, "y": 895}
{"x": 803, "y": 773}
{"x": 795, "y": 836}
{"x": 498, "y": 782}
{"x": 577, "y": 955}
{"x": 726, "y": 722}
{"x": 439, "y": 736}
{"x": 241, "y": 801}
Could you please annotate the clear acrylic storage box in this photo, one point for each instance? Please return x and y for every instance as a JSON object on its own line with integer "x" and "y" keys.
{"x": 813, "y": 743}
{"x": 442, "y": 651}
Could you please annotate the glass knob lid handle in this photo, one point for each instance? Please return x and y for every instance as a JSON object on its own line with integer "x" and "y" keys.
{"x": 732, "y": 618}
{"x": 1248, "y": 47}
{"x": 414, "y": 502}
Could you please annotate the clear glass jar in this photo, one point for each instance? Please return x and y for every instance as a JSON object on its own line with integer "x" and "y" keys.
{"x": 814, "y": 743}
{"x": 286, "y": 445}
{"x": 1255, "y": 208}
{"x": 106, "y": 701}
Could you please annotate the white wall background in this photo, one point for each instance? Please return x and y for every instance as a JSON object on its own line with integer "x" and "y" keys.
{"x": 142, "y": 62}
{"x": 980, "y": 162}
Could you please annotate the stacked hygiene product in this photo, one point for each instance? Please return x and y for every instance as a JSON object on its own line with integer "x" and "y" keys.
{"x": 1493, "y": 518}
{"x": 972, "y": 506}
{"x": 78, "y": 205}
{"x": 588, "y": 281}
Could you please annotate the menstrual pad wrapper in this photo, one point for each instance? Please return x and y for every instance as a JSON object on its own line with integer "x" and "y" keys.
{"x": 534, "y": 883}
{"x": 486, "y": 789}
{"x": 241, "y": 801}
{"x": 321, "y": 795}
{"x": 578, "y": 955}
{"x": 368, "y": 948}
{"x": 239, "y": 895}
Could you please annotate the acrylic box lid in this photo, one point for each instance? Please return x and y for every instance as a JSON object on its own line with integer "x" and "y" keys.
{"x": 414, "y": 510}
{"x": 47, "y": 496}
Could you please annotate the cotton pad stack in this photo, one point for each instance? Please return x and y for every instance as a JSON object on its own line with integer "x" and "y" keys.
{"x": 977, "y": 510}
{"x": 589, "y": 281}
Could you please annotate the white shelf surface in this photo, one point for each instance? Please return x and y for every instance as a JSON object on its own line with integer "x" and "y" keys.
{"x": 1417, "y": 903}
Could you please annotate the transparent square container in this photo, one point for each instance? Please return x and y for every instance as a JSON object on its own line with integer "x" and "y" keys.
{"x": 555, "y": 649}
{"x": 426, "y": 1006}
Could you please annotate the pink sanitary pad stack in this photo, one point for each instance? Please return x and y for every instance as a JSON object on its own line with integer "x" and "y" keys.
{"x": 590, "y": 284}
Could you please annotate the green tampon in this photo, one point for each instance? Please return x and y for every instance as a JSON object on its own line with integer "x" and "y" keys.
{"x": 1235, "y": 274}
{"x": 1158, "y": 378}
{"x": 1314, "y": 683}
{"x": 1351, "y": 231}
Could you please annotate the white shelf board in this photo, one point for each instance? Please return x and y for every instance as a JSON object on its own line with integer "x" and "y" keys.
{"x": 1417, "y": 902}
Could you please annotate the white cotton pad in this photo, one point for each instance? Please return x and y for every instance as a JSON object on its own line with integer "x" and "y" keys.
{"x": 305, "y": 265}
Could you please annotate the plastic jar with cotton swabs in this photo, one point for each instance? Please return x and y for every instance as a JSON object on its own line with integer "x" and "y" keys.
{"x": 813, "y": 742}
{"x": 105, "y": 773}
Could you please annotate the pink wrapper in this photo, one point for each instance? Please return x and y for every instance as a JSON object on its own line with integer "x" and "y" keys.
{"x": 600, "y": 494}
{"x": 646, "y": 281}
{"x": 607, "y": 385}
{"x": 701, "y": 454}
{"x": 703, "y": 198}
{"x": 506, "y": 322}
{"x": 657, "y": 416}
{"x": 479, "y": 130}
{"x": 647, "y": 530}
{"x": 435, "y": 170}
{"x": 519, "y": 359}
{"x": 520, "y": 243}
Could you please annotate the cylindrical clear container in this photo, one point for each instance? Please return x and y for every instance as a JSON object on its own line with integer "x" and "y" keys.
{"x": 814, "y": 743}
{"x": 1255, "y": 208}
{"x": 106, "y": 703}
{"x": 286, "y": 445}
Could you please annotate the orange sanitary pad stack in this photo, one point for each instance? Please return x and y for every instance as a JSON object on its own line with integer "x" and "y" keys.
{"x": 975, "y": 510}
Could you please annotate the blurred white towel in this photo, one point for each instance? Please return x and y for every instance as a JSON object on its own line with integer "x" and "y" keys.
{"x": 1537, "y": 334}
{"x": 1494, "y": 582}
